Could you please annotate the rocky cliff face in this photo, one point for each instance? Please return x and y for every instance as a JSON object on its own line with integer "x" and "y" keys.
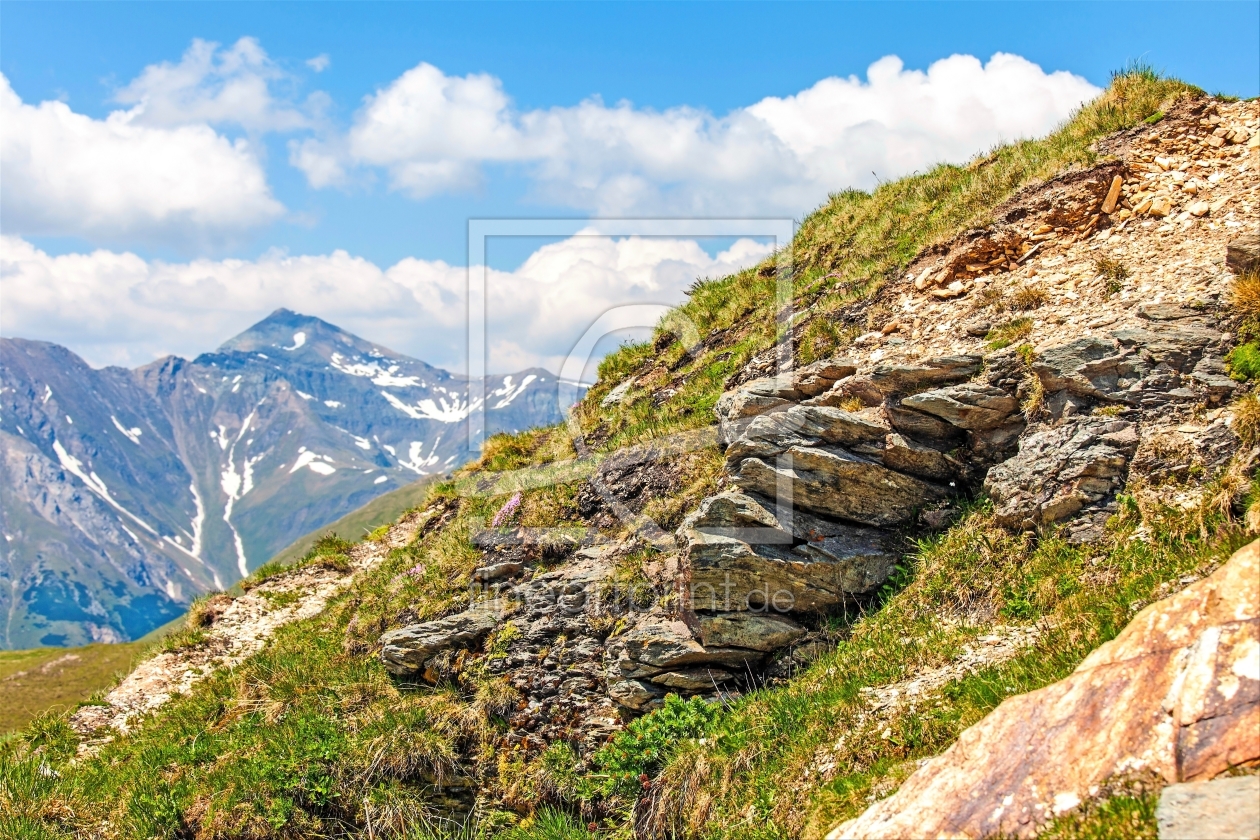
{"x": 1074, "y": 347}
{"x": 126, "y": 493}
{"x": 1002, "y": 452}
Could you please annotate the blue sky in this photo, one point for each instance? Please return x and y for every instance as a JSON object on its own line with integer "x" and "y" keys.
{"x": 397, "y": 195}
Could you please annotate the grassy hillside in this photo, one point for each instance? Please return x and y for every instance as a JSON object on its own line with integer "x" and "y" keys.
{"x": 312, "y": 737}
{"x": 34, "y": 681}
{"x": 358, "y": 523}
{"x": 42, "y": 679}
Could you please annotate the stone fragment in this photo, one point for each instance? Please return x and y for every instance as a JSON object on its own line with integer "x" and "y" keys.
{"x": 904, "y": 455}
{"x": 732, "y": 512}
{"x": 635, "y": 694}
{"x": 910, "y": 379}
{"x": 1113, "y": 195}
{"x": 920, "y": 426}
{"x": 406, "y": 649}
{"x": 497, "y": 571}
{"x": 731, "y": 575}
{"x": 803, "y": 425}
{"x": 665, "y": 643}
{"x": 617, "y": 394}
{"x": 836, "y": 483}
{"x": 1061, "y": 470}
{"x": 971, "y": 405}
{"x": 1199, "y": 208}
{"x": 1184, "y": 672}
{"x": 1222, "y": 809}
{"x": 1088, "y": 367}
{"x": 1243, "y": 254}
{"x": 693, "y": 679}
{"x": 1165, "y": 311}
{"x": 757, "y": 631}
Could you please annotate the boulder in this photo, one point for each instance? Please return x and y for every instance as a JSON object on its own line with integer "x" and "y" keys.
{"x": 1176, "y": 694}
{"x": 804, "y": 425}
{"x": 911, "y": 379}
{"x": 904, "y": 455}
{"x": 836, "y": 483}
{"x": 729, "y": 574}
{"x": 1088, "y": 367}
{"x": 496, "y": 571}
{"x": 755, "y": 631}
{"x": 734, "y": 513}
{"x": 666, "y": 644}
{"x": 973, "y": 406}
{"x": 693, "y": 679}
{"x": 635, "y": 694}
{"x": 405, "y": 649}
{"x": 920, "y": 426}
{"x": 1061, "y": 470}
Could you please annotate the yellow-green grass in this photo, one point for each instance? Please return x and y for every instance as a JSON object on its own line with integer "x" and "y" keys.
{"x": 34, "y": 681}
{"x": 382, "y": 510}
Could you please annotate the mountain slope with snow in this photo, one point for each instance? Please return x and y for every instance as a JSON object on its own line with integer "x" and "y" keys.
{"x": 126, "y": 493}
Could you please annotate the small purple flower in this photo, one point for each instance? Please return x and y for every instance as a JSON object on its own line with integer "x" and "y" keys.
{"x": 505, "y": 512}
{"x": 417, "y": 571}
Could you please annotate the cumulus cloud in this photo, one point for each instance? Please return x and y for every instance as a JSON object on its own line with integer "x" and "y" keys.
{"x": 117, "y": 308}
{"x": 68, "y": 174}
{"x": 319, "y": 63}
{"x": 432, "y": 132}
{"x": 217, "y": 87}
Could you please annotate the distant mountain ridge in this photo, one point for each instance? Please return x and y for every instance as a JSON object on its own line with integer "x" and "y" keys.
{"x": 124, "y": 493}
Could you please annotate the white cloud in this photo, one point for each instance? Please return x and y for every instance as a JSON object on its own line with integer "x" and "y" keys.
{"x": 319, "y": 63}
{"x": 214, "y": 86}
{"x": 68, "y": 174}
{"x": 432, "y": 132}
{"x": 117, "y": 308}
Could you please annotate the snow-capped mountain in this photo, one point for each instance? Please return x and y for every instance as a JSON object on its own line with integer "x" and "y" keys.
{"x": 125, "y": 493}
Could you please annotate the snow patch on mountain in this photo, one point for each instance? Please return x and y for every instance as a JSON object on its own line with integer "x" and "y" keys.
{"x": 74, "y": 466}
{"x": 387, "y": 377}
{"x": 299, "y": 338}
{"x": 416, "y": 460}
{"x": 427, "y": 409}
{"x": 311, "y": 460}
{"x": 132, "y": 434}
{"x": 508, "y": 392}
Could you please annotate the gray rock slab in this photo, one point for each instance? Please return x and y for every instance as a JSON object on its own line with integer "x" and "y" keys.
{"x": 1222, "y": 809}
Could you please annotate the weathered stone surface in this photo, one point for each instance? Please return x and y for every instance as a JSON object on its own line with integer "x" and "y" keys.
{"x": 730, "y": 574}
{"x": 910, "y": 379}
{"x": 1088, "y": 367}
{"x": 667, "y": 644}
{"x": 818, "y": 377}
{"x": 972, "y": 405}
{"x": 906, "y": 456}
{"x": 756, "y": 631}
{"x": 920, "y": 426}
{"x": 635, "y": 694}
{"x": 1177, "y": 693}
{"x": 693, "y": 679}
{"x": 1243, "y": 254}
{"x": 835, "y": 483}
{"x": 1222, "y": 809}
{"x": 406, "y": 649}
{"x": 1059, "y": 471}
{"x": 1165, "y": 311}
{"x": 859, "y": 388}
{"x": 804, "y": 425}
{"x": 497, "y": 571}
{"x": 734, "y": 509}
{"x": 739, "y": 556}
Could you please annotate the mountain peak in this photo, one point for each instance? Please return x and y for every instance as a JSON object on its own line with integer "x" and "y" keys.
{"x": 289, "y": 330}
